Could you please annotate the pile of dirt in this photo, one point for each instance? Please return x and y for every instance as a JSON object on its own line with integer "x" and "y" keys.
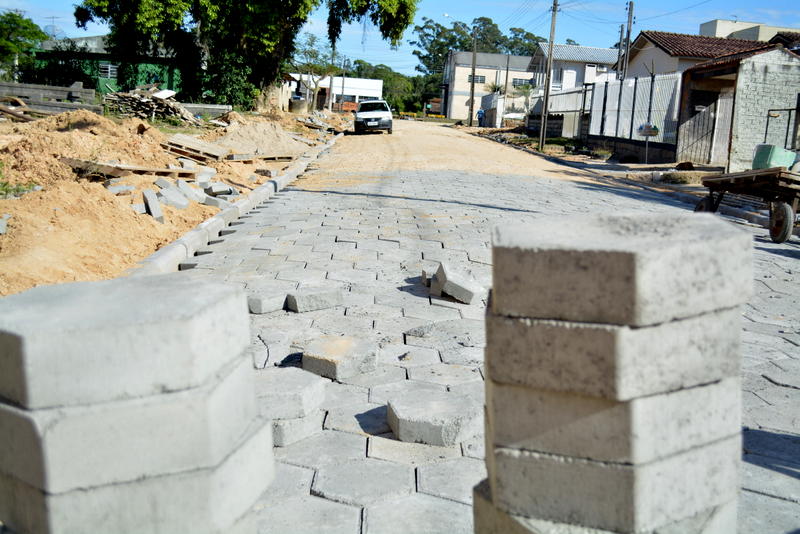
{"x": 259, "y": 137}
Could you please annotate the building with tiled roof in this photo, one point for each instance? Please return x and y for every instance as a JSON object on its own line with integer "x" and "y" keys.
{"x": 789, "y": 40}
{"x": 666, "y": 52}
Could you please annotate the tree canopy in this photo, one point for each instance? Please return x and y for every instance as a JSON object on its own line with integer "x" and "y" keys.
{"x": 251, "y": 40}
{"x": 18, "y": 37}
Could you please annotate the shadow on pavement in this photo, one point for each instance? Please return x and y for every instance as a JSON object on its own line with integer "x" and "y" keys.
{"x": 772, "y": 450}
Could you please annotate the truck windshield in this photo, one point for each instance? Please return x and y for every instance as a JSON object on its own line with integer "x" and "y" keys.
{"x": 373, "y": 106}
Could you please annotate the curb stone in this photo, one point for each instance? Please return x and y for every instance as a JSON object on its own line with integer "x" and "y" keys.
{"x": 167, "y": 258}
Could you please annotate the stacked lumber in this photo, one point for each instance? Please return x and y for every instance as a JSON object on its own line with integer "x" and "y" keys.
{"x": 17, "y": 109}
{"x": 149, "y": 104}
{"x": 195, "y": 149}
{"x": 92, "y": 169}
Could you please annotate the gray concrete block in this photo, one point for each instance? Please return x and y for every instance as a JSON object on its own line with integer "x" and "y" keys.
{"x": 288, "y": 392}
{"x": 229, "y": 213}
{"x": 637, "y": 431}
{"x": 187, "y": 163}
{"x": 363, "y": 482}
{"x": 265, "y": 303}
{"x": 216, "y": 202}
{"x": 633, "y": 270}
{"x": 490, "y": 519}
{"x": 407, "y": 356}
{"x": 121, "y": 189}
{"x": 451, "y": 479}
{"x": 152, "y": 205}
{"x": 190, "y": 192}
{"x": 286, "y": 432}
{"x": 166, "y": 259}
{"x": 113, "y": 342}
{"x": 62, "y": 449}
{"x": 139, "y": 208}
{"x": 452, "y": 282}
{"x": 163, "y": 183}
{"x": 613, "y": 496}
{"x": 328, "y": 447}
{"x": 207, "y": 500}
{"x": 442, "y": 419}
{"x": 613, "y": 362}
{"x": 435, "y": 516}
{"x": 365, "y": 419}
{"x": 213, "y": 226}
{"x": 311, "y": 300}
{"x": 173, "y": 197}
{"x": 217, "y": 188}
{"x": 445, "y": 374}
{"x": 383, "y": 393}
{"x": 193, "y": 240}
{"x": 339, "y": 357}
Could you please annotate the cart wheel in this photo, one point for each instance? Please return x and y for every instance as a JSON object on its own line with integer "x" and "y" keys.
{"x": 781, "y": 221}
{"x": 707, "y": 204}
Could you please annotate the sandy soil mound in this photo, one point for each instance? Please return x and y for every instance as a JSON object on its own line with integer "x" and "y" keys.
{"x": 260, "y": 137}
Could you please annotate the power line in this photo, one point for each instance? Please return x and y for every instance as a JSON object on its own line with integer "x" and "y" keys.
{"x": 676, "y": 11}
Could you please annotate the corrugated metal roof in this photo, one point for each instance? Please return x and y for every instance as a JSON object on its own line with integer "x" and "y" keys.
{"x": 582, "y": 54}
{"x": 493, "y": 60}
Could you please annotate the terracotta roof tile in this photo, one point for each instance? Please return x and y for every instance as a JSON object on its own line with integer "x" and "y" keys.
{"x": 685, "y": 45}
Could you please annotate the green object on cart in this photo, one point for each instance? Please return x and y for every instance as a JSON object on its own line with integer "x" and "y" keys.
{"x": 770, "y": 156}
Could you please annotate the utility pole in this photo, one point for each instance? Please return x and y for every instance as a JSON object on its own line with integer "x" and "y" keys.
{"x": 344, "y": 77}
{"x": 474, "y": 64}
{"x": 619, "y": 52}
{"x": 546, "y": 101}
{"x": 508, "y": 64}
{"x": 628, "y": 40}
{"x": 330, "y": 84}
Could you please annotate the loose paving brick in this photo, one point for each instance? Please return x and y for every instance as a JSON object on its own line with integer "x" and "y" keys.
{"x": 288, "y": 393}
{"x": 327, "y": 447}
{"x": 364, "y": 419}
{"x": 388, "y": 448}
{"x": 363, "y": 482}
{"x": 442, "y": 419}
{"x": 310, "y": 300}
{"x": 288, "y": 431}
{"x": 340, "y": 357}
{"x": 452, "y": 479}
{"x": 406, "y": 356}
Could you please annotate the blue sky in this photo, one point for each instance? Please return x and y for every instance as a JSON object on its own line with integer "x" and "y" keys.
{"x": 589, "y": 22}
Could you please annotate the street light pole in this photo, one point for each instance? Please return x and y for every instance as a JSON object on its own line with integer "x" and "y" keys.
{"x": 474, "y": 64}
{"x": 546, "y": 101}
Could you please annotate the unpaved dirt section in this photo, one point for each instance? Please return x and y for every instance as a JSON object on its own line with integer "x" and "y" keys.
{"x": 427, "y": 146}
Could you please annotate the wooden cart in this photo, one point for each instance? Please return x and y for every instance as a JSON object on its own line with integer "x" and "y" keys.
{"x": 778, "y": 187}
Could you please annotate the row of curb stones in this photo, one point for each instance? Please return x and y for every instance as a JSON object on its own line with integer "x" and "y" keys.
{"x": 169, "y": 257}
{"x": 613, "y": 389}
{"x": 118, "y": 415}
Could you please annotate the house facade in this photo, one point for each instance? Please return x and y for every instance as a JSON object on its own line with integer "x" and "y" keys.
{"x": 573, "y": 66}
{"x": 655, "y": 52}
{"x": 496, "y": 70}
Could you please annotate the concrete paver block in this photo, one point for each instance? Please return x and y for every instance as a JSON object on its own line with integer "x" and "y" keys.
{"x": 383, "y": 374}
{"x": 450, "y": 281}
{"x": 152, "y": 205}
{"x": 439, "y": 516}
{"x": 442, "y": 419}
{"x": 173, "y": 197}
{"x": 303, "y": 515}
{"x": 215, "y": 202}
{"x": 382, "y": 393}
{"x": 443, "y": 335}
{"x": 136, "y": 348}
{"x": 490, "y": 519}
{"x": 339, "y": 357}
{"x": 310, "y": 300}
{"x": 59, "y": 449}
{"x": 444, "y": 374}
{"x": 599, "y": 494}
{"x": 285, "y": 432}
{"x": 384, "y": 448}
{"x": 190, "y": 192}
{"x": 452, "y": 479}
{"x": 636, "y": 431}
{"x": 265, "y": 303}
{"x": 636, "y": 270}
{"x": 324, "y": 448}
{"x": 207, "y": 500}
{"x": 406, "y": 356}
{"x": 364, "y": 419}
{"x": 288, "y": 392}
{"x": 363, "y": 482}
{"x": 613, "y": 362}
{"x": 290, "y": 481}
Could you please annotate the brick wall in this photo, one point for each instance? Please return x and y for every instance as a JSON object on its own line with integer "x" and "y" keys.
{"x": 766, "y": 81}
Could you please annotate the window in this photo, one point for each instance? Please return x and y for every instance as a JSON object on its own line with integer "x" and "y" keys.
{"x": 602, "y": 68}
{"x": 107, "y": 70}
{"x": 478, "y": 79}
{"x": 519, "y": 82}
{"x": 558, "y": 75}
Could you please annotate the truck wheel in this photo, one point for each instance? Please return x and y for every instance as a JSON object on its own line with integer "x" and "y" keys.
{"x": 781, "y": 221}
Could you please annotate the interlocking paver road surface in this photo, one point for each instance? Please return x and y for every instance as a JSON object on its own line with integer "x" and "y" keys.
{"x": 367, "y": 218}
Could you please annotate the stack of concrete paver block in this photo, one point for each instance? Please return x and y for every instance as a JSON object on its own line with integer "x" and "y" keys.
{"x": 128, "y": 406}
{"x": 292, "y": 399}
{"x": 613, "y": 390}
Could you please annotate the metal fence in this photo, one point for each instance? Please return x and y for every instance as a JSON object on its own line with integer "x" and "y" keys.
{"x": 618, "y": 108}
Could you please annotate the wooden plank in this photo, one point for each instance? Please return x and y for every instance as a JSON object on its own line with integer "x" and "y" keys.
{"x": 186, "y": 141}
{"x": 92, "y": 167}
{"x": 15, "y": 114}
{"x": 54, "y": 92}
{"x": 45, "y": 106}
{"x": 185, "y": 153}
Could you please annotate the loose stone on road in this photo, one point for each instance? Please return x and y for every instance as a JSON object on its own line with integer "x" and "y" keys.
{"x": 359, "y": 229}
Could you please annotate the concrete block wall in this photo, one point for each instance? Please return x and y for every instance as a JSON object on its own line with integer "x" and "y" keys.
{"x": 765, "y": 81}
{"x": 613, "y": 380}
{"x": 129, "y": 406}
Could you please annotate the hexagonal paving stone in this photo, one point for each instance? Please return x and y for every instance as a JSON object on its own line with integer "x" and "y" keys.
{"x": 329, "y": 446}
{"x": 475, "y": 390}
{"x": 384, "y": 374}
{"x": 453, "y": 479}
{"x": 388, "y": 448}
{"x": 448, "y": 334}
{"x": 420, "y": 514}
{"x": 290, "y": 481}
{"x": 475, "y": 447}
{"x": 365, "y": 481}
{"x": 288, "y": 393}
{"x": 468, "y": 356}
{"x": 337, "y": 395}
{"x": 444, "y": 374}
{"x": 442, "y": 419}
{"x": 364, "y": 419}
{"x": 401, "y": 355}
{"x": 382, "y": 394}
{"x": 301, "y": 515}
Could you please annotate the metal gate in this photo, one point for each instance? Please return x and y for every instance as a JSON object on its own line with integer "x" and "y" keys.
{"x": 696, "y": 136}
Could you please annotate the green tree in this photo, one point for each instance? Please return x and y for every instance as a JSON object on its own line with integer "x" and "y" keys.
{"x": 572, "y": 42}
{"x": 64, "y": 65}
{"x": 315, "y": 58}
{"x": 488, "y": 37}
{"x": 520, "y": 42}
{"x": 18, "y": 37}
{"x": 261, "y": 32}
{"x": 435, "y": 41}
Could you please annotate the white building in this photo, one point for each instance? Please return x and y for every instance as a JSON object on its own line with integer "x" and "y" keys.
{"x": 739, "y": 29}
{"x": 353, "y": 89}
{"x": 573, "y": 65}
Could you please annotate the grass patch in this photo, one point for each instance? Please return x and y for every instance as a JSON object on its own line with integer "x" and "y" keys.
{"x": 8, "y": 190}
